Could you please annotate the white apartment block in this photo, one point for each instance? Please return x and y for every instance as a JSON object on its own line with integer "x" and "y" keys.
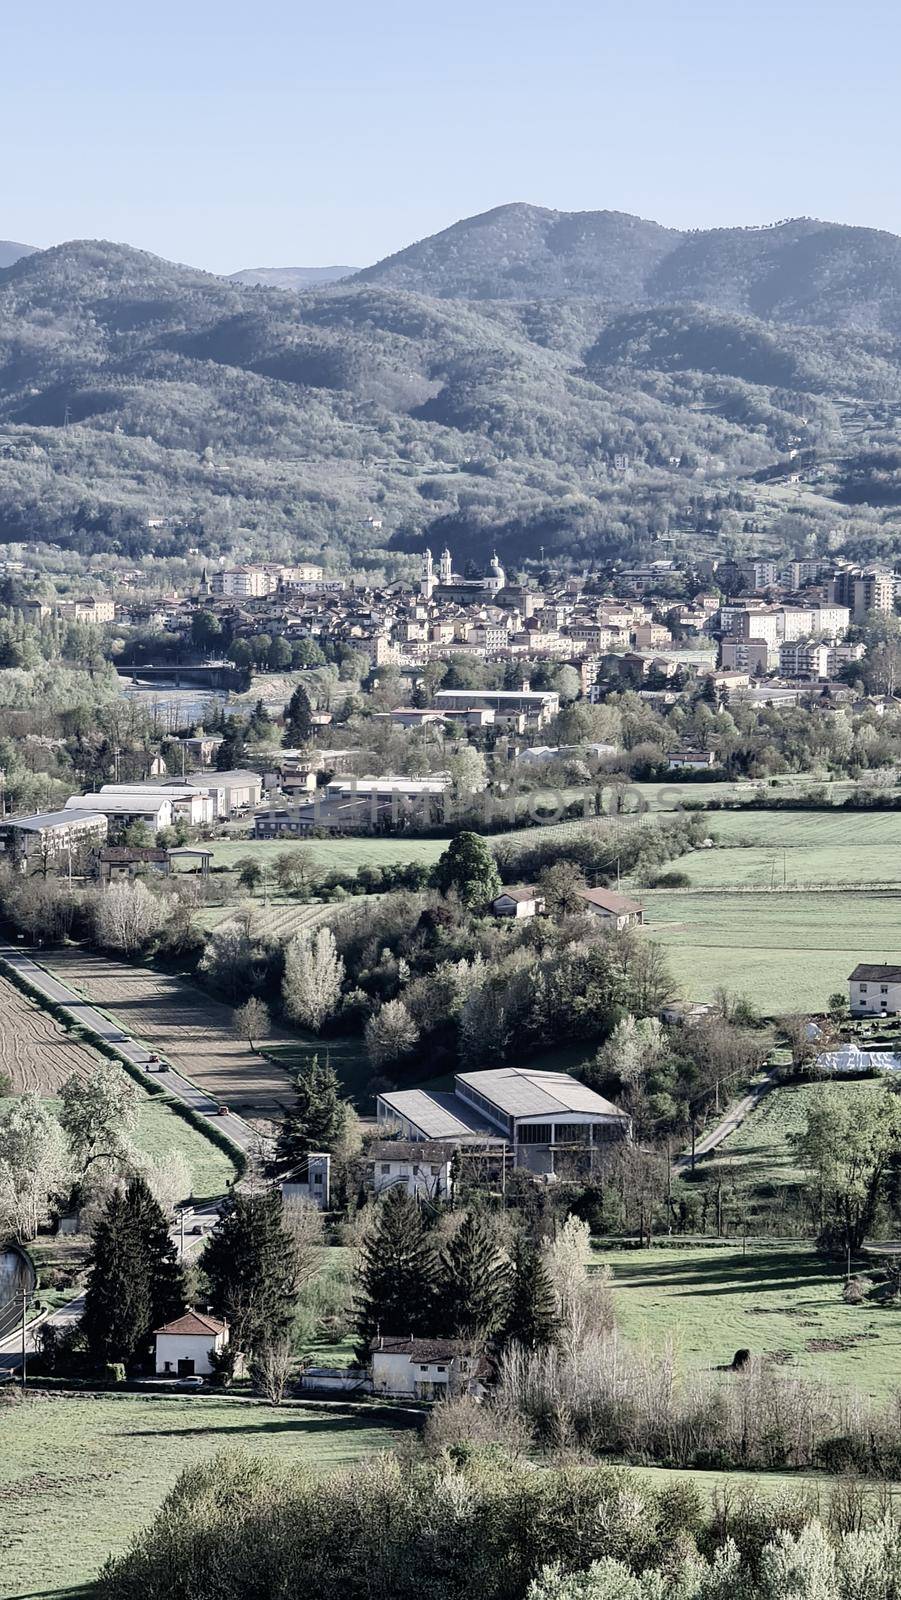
{"x": 801, "y": 658}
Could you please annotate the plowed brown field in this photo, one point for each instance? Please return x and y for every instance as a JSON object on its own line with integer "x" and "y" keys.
{"x": 35, "y": 1051}
{"x": 192, "y": 1031}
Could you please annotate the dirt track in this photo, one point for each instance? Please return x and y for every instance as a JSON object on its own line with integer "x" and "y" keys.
{"x": 183, "y": 1024}
{"x": 35, "y": 1050}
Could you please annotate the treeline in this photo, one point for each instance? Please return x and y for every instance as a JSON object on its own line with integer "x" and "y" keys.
{"x": 478, "y": 1525}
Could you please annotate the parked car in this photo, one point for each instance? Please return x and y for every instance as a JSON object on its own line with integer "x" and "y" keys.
{"x": 189, "y": 1383}
{"x": 223, "y": 1111}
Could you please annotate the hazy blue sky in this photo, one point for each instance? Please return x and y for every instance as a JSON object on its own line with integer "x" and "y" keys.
{"x": 271, "y": 134}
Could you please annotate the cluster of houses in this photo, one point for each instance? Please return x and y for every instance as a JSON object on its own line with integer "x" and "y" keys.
{"x": 632, "y": 621}
{"x": 546, "y": 1124}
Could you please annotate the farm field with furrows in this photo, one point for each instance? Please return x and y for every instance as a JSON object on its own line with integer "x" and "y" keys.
{"x": 776, "y": 1300}
{"x": 38, "y": 1055}
{"x": 280, "y": 919}
{"x": 81, "y": 1474}
{"x": 36, "y": 1052}
{"x": 191, "y": 1030}
{"x": 788, "y": 952}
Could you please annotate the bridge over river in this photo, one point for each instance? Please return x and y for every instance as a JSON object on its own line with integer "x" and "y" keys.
{"x": 209, "y": 674}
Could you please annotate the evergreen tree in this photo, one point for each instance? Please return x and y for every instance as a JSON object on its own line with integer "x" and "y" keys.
{"x": 319, "y": 1115}
{"x": 135, "y": 1283}
{"x": 475, "y": 1281}
{"x": 396, "y": 1275}
{"x": 298, "y": 718}
{"x": 230, "y": 752}
{"x": 532, "y": 1318}
{"x": 468, "y": 866}
{"x": 250, "y": 1264}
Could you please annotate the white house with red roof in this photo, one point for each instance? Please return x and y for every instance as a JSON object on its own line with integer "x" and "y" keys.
{"x": 185, "y": 1345}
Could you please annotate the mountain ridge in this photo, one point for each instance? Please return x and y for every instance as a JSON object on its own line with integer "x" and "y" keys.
{"x": 151, "y": 407}
{"x": 800, "y": 270}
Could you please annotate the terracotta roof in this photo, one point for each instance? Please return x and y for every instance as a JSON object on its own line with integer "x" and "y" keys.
{"x": 193, "y": 1322}
{"x": 422, "y": 1349}
{"x": 608, "y": 901}
{"x": 135, "y": 852}
{"x": 410, "y": 1150}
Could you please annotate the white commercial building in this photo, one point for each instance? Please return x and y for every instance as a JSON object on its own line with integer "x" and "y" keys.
{"x": 153, "y": 807}
{"x": 537, "y": 1114}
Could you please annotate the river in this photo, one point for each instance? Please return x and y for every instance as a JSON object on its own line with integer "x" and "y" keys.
{"x": 171, "y": 708}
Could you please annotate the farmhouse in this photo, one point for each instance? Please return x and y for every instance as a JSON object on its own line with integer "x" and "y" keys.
{"x": 127, "y": 861}
{"x": 694, "y": 760}
{"x": 419, "y": 1166}
{"x": 184, "y": 1346}
{"x": 544, "y": 1119}
{"x": 426, "y": 1369}
{"x": 616, "y": 909}
{"x": 875, "y": 990}
{"x": 524, "y": 902}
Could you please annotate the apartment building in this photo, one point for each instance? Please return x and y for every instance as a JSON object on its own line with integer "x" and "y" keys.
{"x": 802, "y": 658}
{"x": 864, "y": 590}
{"x": 50, "y": 839}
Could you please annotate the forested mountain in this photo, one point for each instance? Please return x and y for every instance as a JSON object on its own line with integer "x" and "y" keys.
{"x": 146, "y": 406}
{"x": 803, "y": 271}
{"x": 291, "y": 277}
{"x": 10, "y": 252}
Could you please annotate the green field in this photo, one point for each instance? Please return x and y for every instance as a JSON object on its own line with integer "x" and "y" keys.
{"x": 772, "y": 848}
{"x": 159, "y": 1130}
{"x": 333, "y": 855}
{"x": 347, "y": 1054}
{"x": 80, "y": 1474}
{"x": 760, "y": 1153}
{"x": 777, "y": 1299}
{"x": 788, "y": 952}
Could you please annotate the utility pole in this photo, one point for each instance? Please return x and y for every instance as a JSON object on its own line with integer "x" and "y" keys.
{"x": 24, "y": 1351}
{"x": 181, "y": 1256}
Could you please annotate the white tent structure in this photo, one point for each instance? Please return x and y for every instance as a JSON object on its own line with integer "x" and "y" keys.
{"x": 853, "y": 1060}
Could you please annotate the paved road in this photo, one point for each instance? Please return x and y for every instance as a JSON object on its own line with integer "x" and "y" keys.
{"x": 201, "y": 1217}
{"x": 241, "y": 1134}
{"x": 733, "y": 1119}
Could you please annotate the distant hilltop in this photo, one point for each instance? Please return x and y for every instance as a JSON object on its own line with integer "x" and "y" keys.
{"x": 291, "y": 277}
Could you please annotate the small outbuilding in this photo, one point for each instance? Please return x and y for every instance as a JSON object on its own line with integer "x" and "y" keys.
{"x": 524, "y": 902}
{"x": 185, "y": 1346}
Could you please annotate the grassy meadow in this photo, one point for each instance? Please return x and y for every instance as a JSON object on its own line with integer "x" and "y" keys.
{"x": 81, "y": 1473}
{"x": 788, "y": 952}
{"x": 776, "y": 1299}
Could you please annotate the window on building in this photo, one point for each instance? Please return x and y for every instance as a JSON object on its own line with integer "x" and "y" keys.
{"x": 386, "y": 1166}
{"x": 883, "y": 988}
{"x": 435, "y": 1172}
{"x": 571, "y": 1133}
{"x": 863, "y": 988}
{"x": 535, "y": 1132}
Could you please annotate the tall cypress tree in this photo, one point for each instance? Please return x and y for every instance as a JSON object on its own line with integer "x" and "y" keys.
{"x": 298, "y": 718}
{"x": 250, "y": 1264}
{"x": 475, "y": 1279}
{"x": 397, "y": 1273}
{"x": 136, "y": 1283}
{"x": 532, "y": 1318}
{"x": 316, "y": 1120}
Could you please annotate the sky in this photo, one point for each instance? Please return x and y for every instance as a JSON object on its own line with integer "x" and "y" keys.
{"x": 295, "y": 134}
